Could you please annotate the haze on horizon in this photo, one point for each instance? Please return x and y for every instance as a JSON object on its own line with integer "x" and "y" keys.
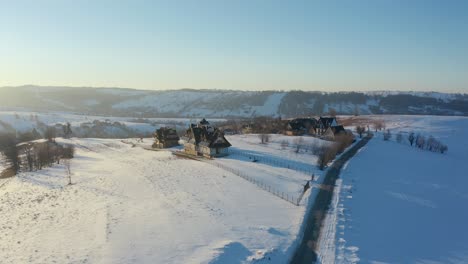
{"x": 262, "y": 45}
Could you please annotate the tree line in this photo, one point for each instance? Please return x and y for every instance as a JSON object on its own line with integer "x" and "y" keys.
{"x": 32, "y": 156}
{"x": 419, "y": 141}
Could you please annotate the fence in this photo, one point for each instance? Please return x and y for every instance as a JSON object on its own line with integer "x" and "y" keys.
{"x": 285, "y": 196}
{"x": 272, "y": 161}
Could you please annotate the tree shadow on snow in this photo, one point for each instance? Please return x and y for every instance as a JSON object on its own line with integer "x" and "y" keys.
{"x": 233, "y": 252}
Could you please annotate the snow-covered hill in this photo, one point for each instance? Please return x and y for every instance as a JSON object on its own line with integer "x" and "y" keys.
{"x": 225, "y": 103}
{"x": 132, "y": 205}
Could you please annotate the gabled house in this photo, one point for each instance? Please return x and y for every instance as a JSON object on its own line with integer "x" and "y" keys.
{"x": 338, "y": 129}
{"x": 324, "y": 123}
{"x": 301, "y": 126}
{"x": 206, "y": 140}
{"x": 165, "y": 137}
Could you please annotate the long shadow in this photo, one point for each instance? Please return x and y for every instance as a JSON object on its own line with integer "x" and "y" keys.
{"x": 233, "y": 252}
{"x": 306, "y": 252}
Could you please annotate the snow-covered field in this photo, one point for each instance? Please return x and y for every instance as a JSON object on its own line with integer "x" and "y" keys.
{"x": 131, "y": 205}
{"x": 399, "y": 204}
{"x": 24, "y": 121}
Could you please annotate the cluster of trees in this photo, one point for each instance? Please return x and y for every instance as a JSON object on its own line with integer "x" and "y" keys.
{"x": 40, "y": 155}
{"x": 430, "y": 143}
{"x": 360, "y": 130}
{"x": 419, "y": 141}
{"x": 264, "y": 138}
{"x": 327, "y": 153}
{"x": 32, "y": 156}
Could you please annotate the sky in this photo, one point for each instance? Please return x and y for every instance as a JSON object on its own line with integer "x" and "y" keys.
{"x": 345, "y": 45}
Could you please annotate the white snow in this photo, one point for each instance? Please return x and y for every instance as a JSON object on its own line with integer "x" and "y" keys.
{"x": 23, "y": 121}
{"x": 270, "y": 106}
{"x": 131, "y": 205}
{"x": 399, "y": 204}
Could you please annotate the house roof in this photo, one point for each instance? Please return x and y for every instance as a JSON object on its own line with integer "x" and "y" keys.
{"x": 204, "y": 122}
{"x": 326, "y": 121}
{"x": 165, "y": 133}
{"x": 338, "y": 129}
{"x": 207, "y": 136}
{"x": 302, "y": 123}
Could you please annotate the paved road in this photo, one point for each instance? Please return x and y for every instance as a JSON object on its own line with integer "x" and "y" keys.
{"x": 306, "y": 252}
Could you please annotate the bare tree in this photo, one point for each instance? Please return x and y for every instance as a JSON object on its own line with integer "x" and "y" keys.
{"x": 30, "y": 156}
{"x": 411, "y": 138}
{"x": 284, "y": 144}
{"x": 342, "y": 141}
{"x": 10, "y": 151}
{"x": 50, "y": 134}
{"x": 378, "y": 125}
{"x": 443, "y": 149}
{"x": 325, "y": 155}
{"x": 298, "y": 144}
{"x": 360, "y": 130}
{"x": 332, "y": 112}
{"x": 264, "y": 138}
{"x": 387, "y": 135}
{"x": 420, "y": 141}
{"x": 67, "y": 131}
{"x": 68, "y": 152}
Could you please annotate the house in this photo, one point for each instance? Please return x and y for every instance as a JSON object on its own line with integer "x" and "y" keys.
{"x": 332, "y": 132}
{"x": 301, "y": 126}
{"x": 206, "y": 140}
{"x": 165, "y": 138}
{"x": 338, "y": 129}
{"x": 324, "y": 123}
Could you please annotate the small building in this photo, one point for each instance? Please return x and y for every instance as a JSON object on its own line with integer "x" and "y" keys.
{"x": 301, "y": 126}
{"x": 206, "y": 140}
{"x": 165, "y": 137}
{"x": 338, "y": 129}
{"x": 324, "y": 123}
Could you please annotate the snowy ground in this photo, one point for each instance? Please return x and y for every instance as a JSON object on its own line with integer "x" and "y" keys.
{"x": 131, "y": 205}
{"x": 26, "y": 121}
{"x": 398, "y": 204}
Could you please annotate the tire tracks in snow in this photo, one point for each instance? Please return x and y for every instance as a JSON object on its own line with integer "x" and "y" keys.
{"x": 306, "y": 252}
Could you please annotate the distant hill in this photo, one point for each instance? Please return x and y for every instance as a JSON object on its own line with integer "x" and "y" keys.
{"x": 226, "y": 103}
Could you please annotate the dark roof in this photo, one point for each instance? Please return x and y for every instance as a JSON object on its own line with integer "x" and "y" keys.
{"x": 165, "y": 133}
{"x": 338, "y": 129}
{"x": 326, "y": 121}
{"x": 207, "y": 136}
{"x": 204, "y": 122}
{"x": 302, "y": 123}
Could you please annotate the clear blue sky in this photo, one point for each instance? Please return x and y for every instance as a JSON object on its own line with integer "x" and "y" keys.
{"x": 249, "y": 45}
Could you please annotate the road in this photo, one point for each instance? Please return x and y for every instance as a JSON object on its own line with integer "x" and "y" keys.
{"x": 306, "y": 252}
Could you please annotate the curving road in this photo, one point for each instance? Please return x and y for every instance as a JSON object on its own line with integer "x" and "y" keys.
{"x": 305, "y": 253}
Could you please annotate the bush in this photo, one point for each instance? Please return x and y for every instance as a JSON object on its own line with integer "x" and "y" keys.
{"x": 298, "y": 142}
{"x": 284, "y": 144}
{"x": 360, "y": 130}
{"x": 342, "y": 141}
{"x": 387, "y": 135}
{"x": 264, "y": 138}
{"x": 325, "y": 155}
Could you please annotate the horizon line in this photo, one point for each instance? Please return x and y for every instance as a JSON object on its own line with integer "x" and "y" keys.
{"x": 221, "y": 89}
